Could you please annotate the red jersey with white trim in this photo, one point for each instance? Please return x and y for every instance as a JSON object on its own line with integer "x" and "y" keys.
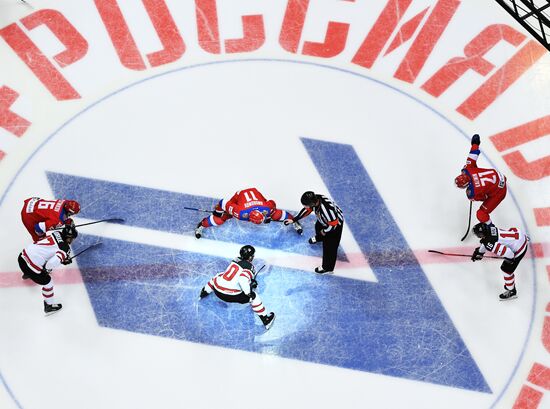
{"x": 47, "y": 253}
{"x": 484, "y": 183}
{"x": 244, "y": 201}
{"x": 510, "y": 243}
{"x": 41, "y": 215}
{"x": 235, "y": 279}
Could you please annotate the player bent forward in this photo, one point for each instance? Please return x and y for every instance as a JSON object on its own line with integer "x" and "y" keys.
{"x": 38, "y": 260}
{"x": 511, "y": 244}
{"x": 247, "y": 205}
{"x": 237, "y": 284}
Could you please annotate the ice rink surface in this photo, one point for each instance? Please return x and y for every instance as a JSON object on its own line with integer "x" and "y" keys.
{"x": 394, "y": 327}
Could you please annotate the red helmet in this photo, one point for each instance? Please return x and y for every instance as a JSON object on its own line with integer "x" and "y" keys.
{"x": 462, "y": 181}
{"x": 256, "y": 217}
{"x": 271, "y": 204}
{"x": 71, "y": 207}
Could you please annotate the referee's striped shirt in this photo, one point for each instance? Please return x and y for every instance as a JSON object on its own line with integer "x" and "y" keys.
{"x": 328, "y": 213}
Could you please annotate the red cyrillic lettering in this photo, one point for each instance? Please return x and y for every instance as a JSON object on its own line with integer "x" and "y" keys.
{"x": 124, "y": 43}
{"x": 424, "y": 43}
{"x": 406, "y": 31}
{"x": 76, "y": 47}
{"x": 542, "y": 216}
{"x": 473, "y": 59}
{"x": 501, "y": 80}
{"x": 293, "y": 25}
{"x": 380, "y": 33}
{"x": 520, "y": 135}
{"x": 209, "y": 31}
{"x": 9, "y": 120}
{"x": 546, "y": 329}
{"x": 540, "y": 376}
{"x": 528, "y": 398}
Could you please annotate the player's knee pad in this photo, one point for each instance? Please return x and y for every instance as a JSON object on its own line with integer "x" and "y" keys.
{"x": 41, "y": 279}
{"x": 509, "y": 266}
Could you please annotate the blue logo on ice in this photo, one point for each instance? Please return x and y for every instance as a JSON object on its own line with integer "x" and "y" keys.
{"x": 395, "y": 327}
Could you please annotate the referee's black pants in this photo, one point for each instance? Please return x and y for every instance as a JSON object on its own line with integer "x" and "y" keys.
{"x": 330, "y": 241}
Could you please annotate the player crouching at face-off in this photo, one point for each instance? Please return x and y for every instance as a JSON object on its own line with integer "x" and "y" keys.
{"x": 40, "y": 215}
{"x": 248, "y": 205}
{"x": 38, "y": 260}
{"x": 237, "y": 284}
{"x": 511, "y": 244}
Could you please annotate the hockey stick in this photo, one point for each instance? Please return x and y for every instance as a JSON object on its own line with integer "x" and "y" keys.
{"x": 459, "y": 255}
{"x": 118, "y": 220}
{"x": 197, "y": 210}
{"x": 469, "y": 222}
{"x": 86, "y": 249}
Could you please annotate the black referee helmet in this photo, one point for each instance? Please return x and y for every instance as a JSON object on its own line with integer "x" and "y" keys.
{"x": 309, "y": 198}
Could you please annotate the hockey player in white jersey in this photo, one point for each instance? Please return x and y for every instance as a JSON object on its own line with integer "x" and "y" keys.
{"x": 38, "y": 260}
{"x": 510, "y": 244}
{"x": 237, "y": 284}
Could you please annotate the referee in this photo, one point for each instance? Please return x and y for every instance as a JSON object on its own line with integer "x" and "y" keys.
{"x": 328, "y": 227}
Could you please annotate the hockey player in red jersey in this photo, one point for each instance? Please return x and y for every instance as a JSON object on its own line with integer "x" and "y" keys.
{"x": 510, "y": 244}
{"x": 248, "y": 205}
{"x": 40, "y": 215}
{"x": 237, "y": 284}
{"x": 38, "y": 260}
{"x": 482, "y": 185}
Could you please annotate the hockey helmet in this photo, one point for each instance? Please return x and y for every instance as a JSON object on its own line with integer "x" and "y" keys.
{"x": 71, "y": 207}
{"x": 256, "y": 217}
{"x": 308, "y": 199}
{"x": 247, "y": 252}
{"x": 69, "y": 232}
{"x": 462, "y": 180}
{"x": 484, "y": 230}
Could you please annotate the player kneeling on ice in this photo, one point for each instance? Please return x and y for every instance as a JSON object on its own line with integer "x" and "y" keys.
{"x": 38, "y": 260}
{"x": 248, "y": 205}
{"x": 511, "y": 244}
{"x": 237, "y": 284}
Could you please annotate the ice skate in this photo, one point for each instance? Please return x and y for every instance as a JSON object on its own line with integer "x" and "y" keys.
{"x": 51, "y": 308}
{"x": 203, "y": 294}
{"x": 321, "y": 270}
{"x": 508, "y": 294}
{"x": 268, "y": 319}
{"x": 198, "y": 230}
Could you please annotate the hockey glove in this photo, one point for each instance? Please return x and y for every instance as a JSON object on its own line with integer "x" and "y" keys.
{"x": 476, "y": 140}
{"x": 68, "y": 260}
{"x": 253, "y": 284}
{"x": 252, "y": 296}
{"x": 477, "y": 255}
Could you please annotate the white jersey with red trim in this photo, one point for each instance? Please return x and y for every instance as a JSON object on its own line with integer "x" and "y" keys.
{"x": 47, "y": 253}
{"x": 510, "y": 243}
{"x": 235, "y": 279}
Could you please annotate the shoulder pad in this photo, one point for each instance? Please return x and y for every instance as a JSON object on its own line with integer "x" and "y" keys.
{"x": 64, "y": 246}
{"x": 245, "y": 264}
